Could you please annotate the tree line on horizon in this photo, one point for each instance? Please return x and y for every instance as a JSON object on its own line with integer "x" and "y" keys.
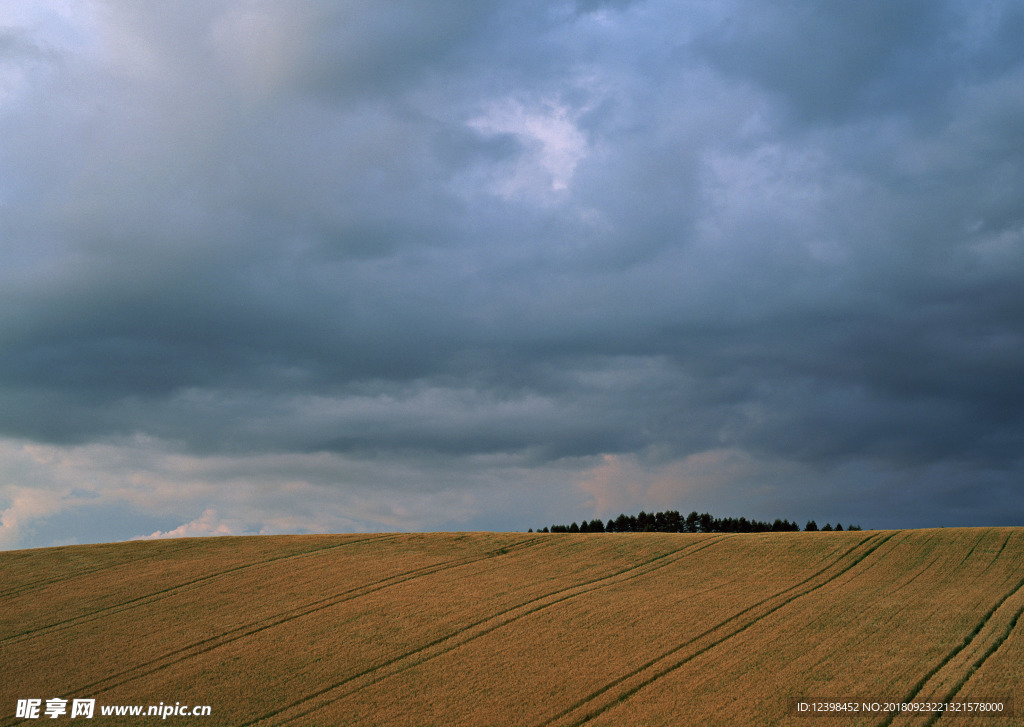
{"x": 671, "y": 521}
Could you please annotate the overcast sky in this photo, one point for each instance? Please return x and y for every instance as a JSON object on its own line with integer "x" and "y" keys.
{"x": 274, "y": 267}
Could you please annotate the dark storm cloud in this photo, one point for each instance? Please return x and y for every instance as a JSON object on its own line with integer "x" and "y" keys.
{"x": 832, "y": 61}
{"x": 549, "y": 231}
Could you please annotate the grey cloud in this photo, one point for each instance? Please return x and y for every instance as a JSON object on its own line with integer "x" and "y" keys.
{"x": 833, "y": 62}
{"x": 550, "y": 233}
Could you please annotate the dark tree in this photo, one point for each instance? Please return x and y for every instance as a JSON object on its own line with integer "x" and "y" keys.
{"x": 644, "y": 522}
{"x": 670, "y": 521}
{"x": 692, "y": 522}
{"x": 704, "y": 523}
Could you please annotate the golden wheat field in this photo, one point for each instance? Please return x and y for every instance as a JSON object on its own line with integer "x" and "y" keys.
{"x": 540, "y": 630}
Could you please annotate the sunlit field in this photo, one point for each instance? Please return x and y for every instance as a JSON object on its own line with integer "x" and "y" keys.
{"x": 523, "y": 629}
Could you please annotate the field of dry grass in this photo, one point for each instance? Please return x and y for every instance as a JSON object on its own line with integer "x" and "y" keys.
{"x": 542, "y": 630}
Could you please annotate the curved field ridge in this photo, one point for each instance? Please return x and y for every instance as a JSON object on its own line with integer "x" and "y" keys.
{"x": 541, "y": 630}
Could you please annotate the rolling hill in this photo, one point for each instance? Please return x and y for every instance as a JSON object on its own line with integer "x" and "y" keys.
{"x": 540, "y": 630}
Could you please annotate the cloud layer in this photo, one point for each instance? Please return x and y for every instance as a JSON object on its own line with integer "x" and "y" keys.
{"x": 282, "y": 267}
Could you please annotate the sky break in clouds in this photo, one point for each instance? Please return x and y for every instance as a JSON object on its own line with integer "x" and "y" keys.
{"x": 309, "y": 267}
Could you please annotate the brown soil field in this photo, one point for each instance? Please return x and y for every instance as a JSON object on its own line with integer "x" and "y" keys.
{"x": 540, "y": 630}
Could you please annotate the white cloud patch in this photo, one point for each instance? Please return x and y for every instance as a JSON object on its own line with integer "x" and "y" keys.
{"x": 23, "y": 505}
{"x": 127, "y": 483}
{"x": 208, "y": 524}
{"x": 553, "y": 146}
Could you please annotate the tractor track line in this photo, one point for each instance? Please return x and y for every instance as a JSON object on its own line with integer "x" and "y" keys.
{"x": 176, "y": 553}
{"x": 240, "y": 632}
{"x": 1001, "y": 549}
{"x": 922, "y": 571}
{"x": 894, "y": 591}
{"x": 480, "y": 628}
{"x": 977, "y": 664}
{"x": 923, "y": 681}
{"x": 924, "y": 552}
{"x": 677, "y": 663}
{"x": 103, "y": 685}
{"x": 43, "y": 582}
{"x": 169, "y": 591}
{"x": 974, "y": 547}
